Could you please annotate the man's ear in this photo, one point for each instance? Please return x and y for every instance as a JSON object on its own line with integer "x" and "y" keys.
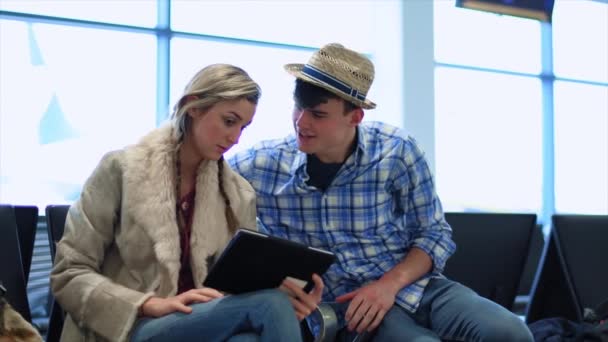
{"x": 357, "y": 116}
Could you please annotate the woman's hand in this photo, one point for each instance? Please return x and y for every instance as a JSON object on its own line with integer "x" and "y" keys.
{"x": 304, "y": 303}
{"x": 158, "y": 307}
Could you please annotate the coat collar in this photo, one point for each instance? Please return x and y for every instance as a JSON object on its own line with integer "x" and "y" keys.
{"x": 149, "y": 193}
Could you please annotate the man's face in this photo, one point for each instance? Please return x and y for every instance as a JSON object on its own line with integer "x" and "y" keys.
{"x": 325, "y": 130}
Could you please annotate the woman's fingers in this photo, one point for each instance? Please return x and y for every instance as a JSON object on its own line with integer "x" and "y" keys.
{"x": 301, "y": 310}
{"x": 212, "y": 293}
{"x": 181, "y": 307}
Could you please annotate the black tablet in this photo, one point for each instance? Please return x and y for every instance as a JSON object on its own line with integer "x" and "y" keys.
{"x": 254, "y": 261}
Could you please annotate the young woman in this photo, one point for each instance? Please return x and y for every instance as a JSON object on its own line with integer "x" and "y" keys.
{"x": 151, "y": 218}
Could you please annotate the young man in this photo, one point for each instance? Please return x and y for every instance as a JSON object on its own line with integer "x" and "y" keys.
{"x": 365, "y": 192}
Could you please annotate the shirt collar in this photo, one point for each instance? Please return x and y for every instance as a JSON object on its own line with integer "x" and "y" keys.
{"x": 299, "y": 162}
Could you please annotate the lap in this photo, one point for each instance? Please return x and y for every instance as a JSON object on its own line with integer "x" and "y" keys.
{"x": 450, "y": 311}
{"x": 219, "y": 319}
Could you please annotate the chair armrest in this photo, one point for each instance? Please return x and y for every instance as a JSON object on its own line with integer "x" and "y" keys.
{"x": 329, "y": 323}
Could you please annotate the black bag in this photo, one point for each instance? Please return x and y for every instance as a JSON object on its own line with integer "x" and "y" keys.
{"x": 594, "y": 327}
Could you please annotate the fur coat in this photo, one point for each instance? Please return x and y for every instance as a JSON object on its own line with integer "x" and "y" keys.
{"x": 13, "y": 327}
{"x": 121, "y": 241}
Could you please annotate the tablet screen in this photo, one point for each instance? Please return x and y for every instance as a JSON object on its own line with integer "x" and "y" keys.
{"x": 253, "y": 261}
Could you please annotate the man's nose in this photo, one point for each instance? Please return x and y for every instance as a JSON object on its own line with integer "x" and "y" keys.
{"x": 300, "y": 117}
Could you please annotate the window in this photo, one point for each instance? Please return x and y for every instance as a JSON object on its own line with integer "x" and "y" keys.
{"x": 516, "y": 101}
{"x": 69, "y": 94}
{"x": 488, "y": 124}
{"x": 488, "y": 143}
{"x": 83, "y": 80}
{"x": 581, "y": 148}
{"x": 580, "y": 36}
{"x": 128, "y": 12}
{"x": 581, "y": 106}
{"x": 294, "y": 22}
{"x": 486, "y": 40}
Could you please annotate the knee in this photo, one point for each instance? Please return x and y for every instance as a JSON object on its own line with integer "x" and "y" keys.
{"x": 275, "y": 301}
{"x": 512, "y": 329}
{"x": 275, "y": 298}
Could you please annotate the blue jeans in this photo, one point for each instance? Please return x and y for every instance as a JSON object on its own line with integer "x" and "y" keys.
{"x": 449, "y": 311}
{"x": 257, "y": 316}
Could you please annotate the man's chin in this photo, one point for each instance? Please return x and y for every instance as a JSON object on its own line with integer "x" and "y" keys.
{"x": 306, "y": 148}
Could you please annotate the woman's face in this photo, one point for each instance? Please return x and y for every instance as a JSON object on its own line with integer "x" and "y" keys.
{"x": 219, "y": 128}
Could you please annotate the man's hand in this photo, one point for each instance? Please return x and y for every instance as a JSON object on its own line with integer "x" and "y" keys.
{"x": 368, "y": 305}
{"x": 158, "y": 307}
{"x": 304, "y": 303}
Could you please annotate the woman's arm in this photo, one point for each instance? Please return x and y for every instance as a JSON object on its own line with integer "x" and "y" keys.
{"x": 91, "y": 299}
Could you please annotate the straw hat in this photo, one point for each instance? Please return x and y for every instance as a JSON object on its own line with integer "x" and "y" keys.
{"x": 339, "y": 70}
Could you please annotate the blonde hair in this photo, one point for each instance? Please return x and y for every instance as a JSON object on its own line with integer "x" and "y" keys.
{"x": 212, "y": 84}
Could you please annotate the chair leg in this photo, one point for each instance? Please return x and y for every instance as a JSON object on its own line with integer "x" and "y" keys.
{"x": 55, "y": 323}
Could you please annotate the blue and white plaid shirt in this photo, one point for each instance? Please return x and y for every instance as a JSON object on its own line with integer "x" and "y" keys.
{"x": 381, "y": 203}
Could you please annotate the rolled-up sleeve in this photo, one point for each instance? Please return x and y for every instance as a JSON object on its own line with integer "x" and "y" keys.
{"x": 423, "y": 211}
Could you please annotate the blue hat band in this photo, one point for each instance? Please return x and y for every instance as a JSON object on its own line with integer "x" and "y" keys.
{"x": 326, "y": 78}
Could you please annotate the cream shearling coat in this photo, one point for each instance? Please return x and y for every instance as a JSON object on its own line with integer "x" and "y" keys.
{"x": 121, "y": 241}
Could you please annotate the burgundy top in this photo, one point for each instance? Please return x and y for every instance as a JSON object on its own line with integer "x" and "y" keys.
{"x": 186, "y": 206}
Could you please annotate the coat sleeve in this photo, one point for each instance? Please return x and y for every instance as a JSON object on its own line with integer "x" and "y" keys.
{"x": 92, "y": 300}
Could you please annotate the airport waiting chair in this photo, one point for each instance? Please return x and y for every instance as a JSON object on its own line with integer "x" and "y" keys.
{"x": 27, "y": 222}
{"x": 491, "y": 251}
{"x": 11, "y": 272}
{"x": 572, "y": 273}
{"x": 55, "y": 221}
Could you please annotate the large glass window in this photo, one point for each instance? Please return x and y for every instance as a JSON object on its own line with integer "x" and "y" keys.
{"x": 486, "y": 40}
{"x": 504, "y": 91}
{"x": 127, "y": 12}
{"x": 68, "y": 95}
{"x": 75, "y": 85}
{"x": 581, "y": 148}
{"x": 487, "y": 124}
{"x": 580, "y": 40}
{"x": 488, "y": 142}
{"x": 294, "y": 22}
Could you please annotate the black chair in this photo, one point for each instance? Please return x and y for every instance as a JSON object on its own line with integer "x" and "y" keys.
{"x": 11, "y": 272}
{"x": 491, "y": 252}
{"x": 55, "y": 221}
{"x": 535, "y": 250}
{"x": 572, "y": 273}
{"x": 27, "y": 221}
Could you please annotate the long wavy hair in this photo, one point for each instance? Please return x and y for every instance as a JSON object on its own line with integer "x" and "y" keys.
{"x": 212, "y": 84}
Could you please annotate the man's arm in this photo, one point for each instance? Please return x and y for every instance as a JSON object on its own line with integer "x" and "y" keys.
{"x": 371, "y": 302}
{"x": 415, "y": 264}
{"x": 429, "y": 249}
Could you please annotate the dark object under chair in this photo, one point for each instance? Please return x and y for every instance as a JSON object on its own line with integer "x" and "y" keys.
{"x": 572, "y": 273}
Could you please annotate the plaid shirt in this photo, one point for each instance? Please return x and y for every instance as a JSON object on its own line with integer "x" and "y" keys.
{"x": 381, "y": 203}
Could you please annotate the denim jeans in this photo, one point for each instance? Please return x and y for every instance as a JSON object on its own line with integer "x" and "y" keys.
{"x": 449, "y": 311}
{"x": 257, "y": 316}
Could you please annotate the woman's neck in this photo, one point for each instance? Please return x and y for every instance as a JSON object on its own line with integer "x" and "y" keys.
{"x": 189, "y": 163}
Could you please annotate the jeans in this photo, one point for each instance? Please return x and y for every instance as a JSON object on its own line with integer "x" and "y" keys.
{"x": 449, "y": 311}
{"x": 265, "y": 316}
